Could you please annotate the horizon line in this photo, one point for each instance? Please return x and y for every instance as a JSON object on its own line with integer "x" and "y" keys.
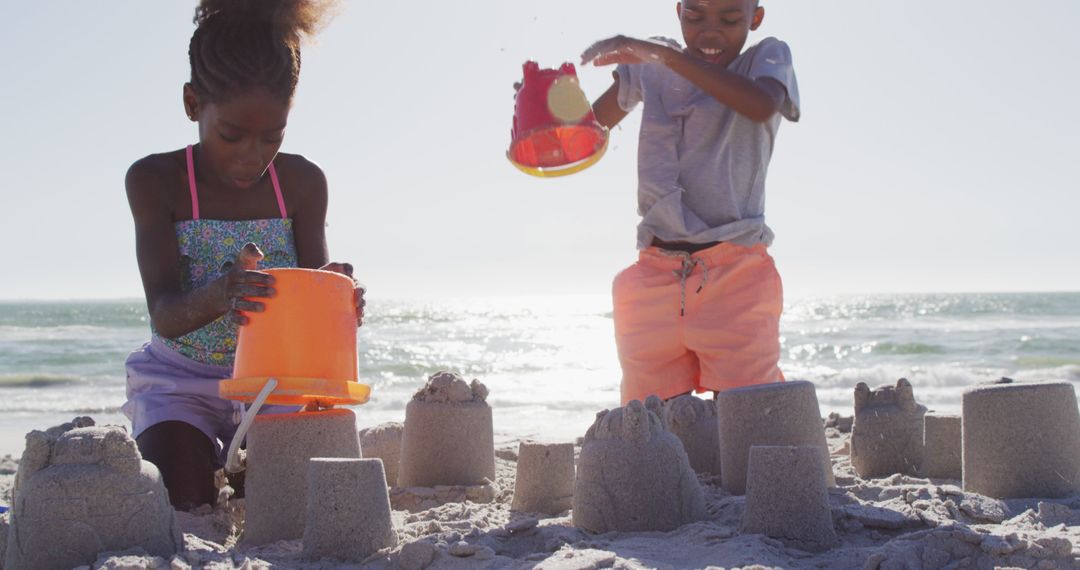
{"x": 16, "y": 300}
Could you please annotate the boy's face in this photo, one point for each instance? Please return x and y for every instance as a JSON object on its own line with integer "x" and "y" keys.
{"x": 716, "y": 30}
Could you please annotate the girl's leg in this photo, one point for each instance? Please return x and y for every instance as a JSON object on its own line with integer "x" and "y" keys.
{"x": 187, "y": 461}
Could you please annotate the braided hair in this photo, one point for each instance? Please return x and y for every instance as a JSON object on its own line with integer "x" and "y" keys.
{"x": 243, "y": 44}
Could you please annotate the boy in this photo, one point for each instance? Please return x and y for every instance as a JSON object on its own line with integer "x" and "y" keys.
{"x": 700, "y": 310}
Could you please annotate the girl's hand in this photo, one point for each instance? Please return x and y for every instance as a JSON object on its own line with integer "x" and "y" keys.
{"x": 622, "y": 49}
{"x": 242, "y": 283}
{"x": 346, "y": 269}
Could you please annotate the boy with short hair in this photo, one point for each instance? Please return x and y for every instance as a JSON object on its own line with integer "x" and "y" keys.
{"x": 700, "y": 310}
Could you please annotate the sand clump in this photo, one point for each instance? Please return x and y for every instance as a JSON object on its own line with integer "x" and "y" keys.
{"x": 280, "y": 447}
{"x": 965, "y": 547}
{"x": 633, "y": 475}
{"x": 787, "y": 497}
{"x": 942, "y": 447}
{"x": 448, "y": 438}
{"x": 384, "y": 442}
{"x": 545, "y": 478}
{"x": 783, "y": 413}
{"x": 447, "y": 387}
{"x": 1021, "y": 440}
{"x": 348, "y": 510}
{"x": 887, "y": 436}
{"x": 693, "y": 420}
{"x": 81, "y": 490}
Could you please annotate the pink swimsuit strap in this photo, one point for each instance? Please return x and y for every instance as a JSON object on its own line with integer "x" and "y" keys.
{"x": 195, "y": 194}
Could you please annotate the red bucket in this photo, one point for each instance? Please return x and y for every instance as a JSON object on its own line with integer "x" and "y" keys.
{"x": 555, "y": 132}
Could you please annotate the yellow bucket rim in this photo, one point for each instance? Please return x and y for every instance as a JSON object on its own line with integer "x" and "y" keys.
{"x": 565, "y": 170}
{"x": 297, "y": 391}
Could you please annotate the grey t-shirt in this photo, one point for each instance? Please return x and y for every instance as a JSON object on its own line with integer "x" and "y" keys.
{"x": 701, "y": 165}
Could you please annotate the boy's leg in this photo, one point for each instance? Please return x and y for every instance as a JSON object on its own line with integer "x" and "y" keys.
{"x": 733, "y": 324}
{"x": 187, "y": 460}
{"x": 648, "y": 331}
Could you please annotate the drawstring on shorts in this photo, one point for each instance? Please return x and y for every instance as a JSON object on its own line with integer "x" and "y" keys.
{"x": 688, "y": 264}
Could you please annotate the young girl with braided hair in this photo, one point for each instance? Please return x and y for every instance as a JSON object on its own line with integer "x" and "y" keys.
{"x": 207, "y": 218}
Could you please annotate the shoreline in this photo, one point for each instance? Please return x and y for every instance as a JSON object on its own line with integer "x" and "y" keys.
{"x": 540, "y": 424}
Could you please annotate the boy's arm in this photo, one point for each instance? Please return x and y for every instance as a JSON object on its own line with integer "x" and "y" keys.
{"x": 607, "y": 109}
{"x": 756, "y": 99}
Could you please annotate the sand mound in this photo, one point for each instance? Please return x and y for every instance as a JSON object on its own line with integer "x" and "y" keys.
{"x": 448, "y": 438}
{"x": 384, "y": 442}
{"x": 444, "y": 387}
{"x": 81, "y": 490}
{"x": 693, "y": 420}
{"x": 889, "y": 521}
{"x": 634, "y": 475}
{"x": 887, "y": 436}
{"x": 545, "y": 478}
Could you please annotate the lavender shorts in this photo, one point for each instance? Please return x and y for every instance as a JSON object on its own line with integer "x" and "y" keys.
{"x": 164, "y": 385}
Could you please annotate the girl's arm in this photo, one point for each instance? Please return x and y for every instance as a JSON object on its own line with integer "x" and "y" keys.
{"x": 173, "y": 312}
{"x": 755, "y": 99}
{"x": 309, "y": 227}
{"x": 309, "y": 215}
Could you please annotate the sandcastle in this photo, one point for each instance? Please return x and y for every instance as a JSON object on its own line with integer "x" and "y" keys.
{"x": 787, "y": 497}
{"x": 1021, "y": 440}
{"x": 693, "y": 420}
{"x": 348, "y": 510}
{"x": 633, "y": 475}
{"x": 448, "y": 437}
{"x": 784, "y": 413}
{"x": 383, "y": 442}
{"x": 4, "y": 525}
{"x": 545, "y": 478}
{"x": 81, "y": 490}
{"x": 887, "y": 436}
{"x": 942, "y": 449}
{"x": 280, "y": 447}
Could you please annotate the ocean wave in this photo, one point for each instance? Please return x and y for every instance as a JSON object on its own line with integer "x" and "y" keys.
{"x": 965, "y": 306}
{"x": 61, "y": 409}
{"x": 111, "y": 314}
{"x": 940, "y": 376}
{"x": 37, "y": 380}
{"x": 1070, "y": 373}
{"x": 1044, "y": 361}
{"x": 908, "y": 348}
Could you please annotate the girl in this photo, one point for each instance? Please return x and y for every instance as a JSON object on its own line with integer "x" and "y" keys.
{"x": 206, "y": 218}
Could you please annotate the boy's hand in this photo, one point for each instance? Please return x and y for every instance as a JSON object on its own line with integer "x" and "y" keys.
{"x": 346, "y": 269}
{"x": 243, "y": 282}
{"x": 622, "y": 49}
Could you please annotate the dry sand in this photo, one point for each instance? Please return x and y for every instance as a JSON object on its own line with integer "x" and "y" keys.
{"x": 894, "y": 522}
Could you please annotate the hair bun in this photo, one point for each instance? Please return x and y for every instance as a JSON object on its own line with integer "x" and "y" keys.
{"x": 294, "y": 18}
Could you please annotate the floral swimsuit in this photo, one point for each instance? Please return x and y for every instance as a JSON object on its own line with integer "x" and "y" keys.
{"x": 207, "y": 251}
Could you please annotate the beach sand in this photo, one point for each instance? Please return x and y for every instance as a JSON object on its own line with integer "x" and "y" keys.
{"x": 892, "y": 522}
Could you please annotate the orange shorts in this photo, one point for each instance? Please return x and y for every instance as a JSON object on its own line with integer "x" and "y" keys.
{"x": 698, "y": 322}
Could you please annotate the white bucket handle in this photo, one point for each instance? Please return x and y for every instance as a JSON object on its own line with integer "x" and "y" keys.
{"x": 233, "y": 463}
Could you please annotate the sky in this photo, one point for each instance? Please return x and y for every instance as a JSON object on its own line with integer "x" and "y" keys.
{"x": 937, "y": 150}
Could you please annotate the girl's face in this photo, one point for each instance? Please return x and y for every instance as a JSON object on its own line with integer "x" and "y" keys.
{"x": 240, "y": 136}
{"x": 716, "y": 30}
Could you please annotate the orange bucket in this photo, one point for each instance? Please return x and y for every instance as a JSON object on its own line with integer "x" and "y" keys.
{"x": 555, "y": 132}
{"x": 305, "y": 338}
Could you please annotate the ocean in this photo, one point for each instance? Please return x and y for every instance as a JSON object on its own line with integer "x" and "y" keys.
{"x": 550, "y": 362}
